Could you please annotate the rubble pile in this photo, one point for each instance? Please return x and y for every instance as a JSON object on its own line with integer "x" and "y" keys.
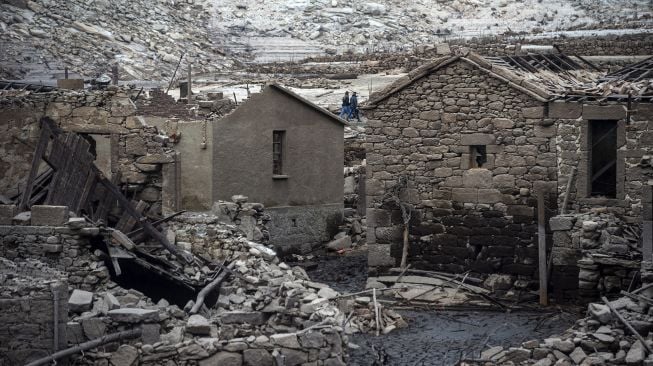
{"x": 599, "y": 339}
{"x": 266, "y": 313}
{"x": 605, "y": 248}
{"x": 145, "y": 39}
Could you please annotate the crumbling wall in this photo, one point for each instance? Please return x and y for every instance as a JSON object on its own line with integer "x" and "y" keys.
{"x": 64, "y": 246}
{"x": 136, "y": 150}
{"x": 464, "y": 217}
{"x": 30, "y": 295}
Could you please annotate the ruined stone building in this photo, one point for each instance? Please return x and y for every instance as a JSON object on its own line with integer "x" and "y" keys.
{"x": 475, "y": 139}
{"x": 178, "y": 157}
{"x": 288, "y": 153}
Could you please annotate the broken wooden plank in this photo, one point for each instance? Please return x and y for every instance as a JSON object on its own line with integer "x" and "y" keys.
{"x": 44, "y": 140}
{"x": 122, "y": 239}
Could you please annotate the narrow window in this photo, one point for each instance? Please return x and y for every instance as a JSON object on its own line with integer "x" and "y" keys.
{"x": 603, "y": 158}
{"x": 477, "y": 155}
{"x": 277, "y": 152}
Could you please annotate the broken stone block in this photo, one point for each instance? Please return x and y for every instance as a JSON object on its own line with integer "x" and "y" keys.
{"x": 240, "y": 317}
{"x": 313, "y": 305}
{"x": 498, "y": 282}
{"x": 578, "y": 355}
{"x": 111, "y": 301}
{"x": 134, "y": 315}
{"x": 43, "y": 215}
{"x": 150, "y": 333}
{"x": 76, "y": 223}
{"x": 94, "y": 328}
{"x": 126, "y": 355}
{"x": 23, "y": 218}
{"x": 312, "y": 340}
{"x": 223, "y": 359}
{"x": 239, "y": 198}
{"x": 285, "y": 340}
{"x": 7, "y": 213}
{"x": 600, "y": 312}
{"x": 80, "y": 301}
{"x": 198, "y": 324}
{"x": 294, "y": 357}
{"x": 74, "y": 333}
{"x": 560, "y": 223}
{"x": 636, "y": 354}
{"x": 327, "y": 293}
{"x": 338, "y": 244}
{"x": 257, "y": 357}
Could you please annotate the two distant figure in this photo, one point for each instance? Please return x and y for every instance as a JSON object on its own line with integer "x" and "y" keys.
{"x": 350, "y": 107}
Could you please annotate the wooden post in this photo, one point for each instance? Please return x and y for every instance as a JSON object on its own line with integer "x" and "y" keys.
{"x": 189, "y": 88}
{"x": 570, "y": 181}
{"x": 114, "y": 75}
{"x": 541, "y": 248}
{"x": 65, "y": 73}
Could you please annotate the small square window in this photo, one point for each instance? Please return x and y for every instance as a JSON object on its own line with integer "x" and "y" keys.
{"x": 477, "y": 156}
{"x": 277, "y": 152}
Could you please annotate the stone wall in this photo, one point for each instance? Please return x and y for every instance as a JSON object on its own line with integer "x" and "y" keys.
{"x": 133, "y": 149}
{"x": 635, "y": 148}
{"x": 27, "y": 311}
{"x": 65, "y": 247}
{"x": 302, "y": 228}
{"x": 627, "y": 44}
{"x": 484, "y": 218}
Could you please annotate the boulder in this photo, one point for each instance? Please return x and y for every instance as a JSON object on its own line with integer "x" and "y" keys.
{"x": 198, "y": 325}
{"x": 134, "y": 315}
{"x": 341, "y": 243}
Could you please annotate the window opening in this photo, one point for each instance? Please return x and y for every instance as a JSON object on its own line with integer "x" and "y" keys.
{"x": 277, "y": 152}
{"x": 478, "y": 156}
{"x": 603, "y": 158}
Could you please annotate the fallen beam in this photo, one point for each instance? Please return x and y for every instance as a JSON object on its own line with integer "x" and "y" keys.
{"x": 133, "y": 333}
{"x": 627, "y": 324}
{"x": 201, "y": 296}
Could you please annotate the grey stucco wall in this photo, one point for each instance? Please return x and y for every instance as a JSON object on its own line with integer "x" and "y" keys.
{"x": 196, "y": 162}
{"x": 313, "y": 148}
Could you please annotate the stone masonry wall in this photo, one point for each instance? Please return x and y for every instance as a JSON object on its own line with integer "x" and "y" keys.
{"x": 482, "y": 219}
{"x": 27, "y": 308}
{"x": 135, "y": 149}
{"x": 62, "y": 248}
{"x": 634, "y": 154}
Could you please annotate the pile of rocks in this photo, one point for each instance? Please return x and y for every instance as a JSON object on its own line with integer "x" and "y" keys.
{"x": 599, "y": 339}
{"x": 603, "y": 247}
{"x": 266, "y": 313}
{"x": 145, "y": 39}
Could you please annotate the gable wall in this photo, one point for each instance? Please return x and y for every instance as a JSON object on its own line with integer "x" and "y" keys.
{"x": 482, "y": 219}
{"x": 314, "y": 153}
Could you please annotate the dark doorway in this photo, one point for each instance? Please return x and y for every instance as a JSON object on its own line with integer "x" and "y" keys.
{"x": 603, "y": 158}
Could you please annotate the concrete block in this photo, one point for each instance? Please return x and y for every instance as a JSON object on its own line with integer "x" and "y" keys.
{"x": 563, "y": 110}
{"x": 604, "y": 112}
{"x": 7, "y": 213}
{"x": 477, "y": 139}
{"x": 43, "y": 215}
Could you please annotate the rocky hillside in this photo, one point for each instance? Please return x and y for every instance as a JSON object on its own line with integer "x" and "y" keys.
{"x": 146, "y": 38}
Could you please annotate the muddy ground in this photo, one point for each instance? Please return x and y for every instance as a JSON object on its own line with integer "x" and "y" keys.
{"x": 433, "y": 337}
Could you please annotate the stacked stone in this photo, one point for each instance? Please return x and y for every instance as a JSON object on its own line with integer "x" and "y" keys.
{"x": 593, "y": 242}
{"x": 27, "y": 310}
{"x": 62, "y": 243}
{"x": 599, "y": 339}
{"x": 465, "y": 217}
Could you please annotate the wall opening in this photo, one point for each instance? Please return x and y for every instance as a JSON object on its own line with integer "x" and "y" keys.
{"x": 477, "y": 156}
{"x": 278, "y": 138}
{"x": 603, "y": 158}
